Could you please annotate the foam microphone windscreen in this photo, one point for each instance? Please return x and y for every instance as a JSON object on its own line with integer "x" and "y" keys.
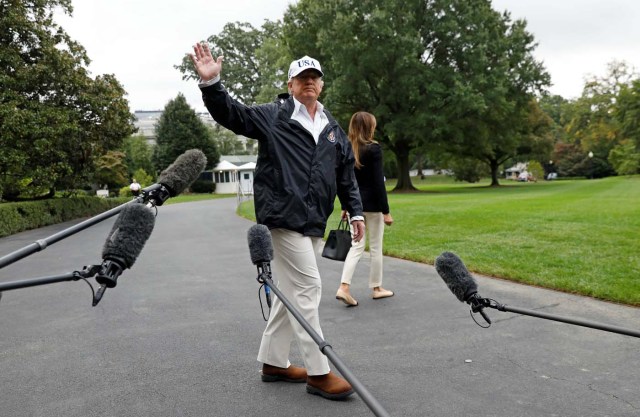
{"x": 456, "y": 276}
{"x": 260, "y": 246}
{"x": 129, "y": 233}
{"x": 178, "y": 176}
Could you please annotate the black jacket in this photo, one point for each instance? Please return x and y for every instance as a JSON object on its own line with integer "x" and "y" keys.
{"x": 295, "y": 181}
{"x": 370, "y": 178}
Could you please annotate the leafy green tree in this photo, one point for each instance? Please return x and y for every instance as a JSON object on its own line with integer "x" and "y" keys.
{"x": 493, "y": 78}
{"x": 372, "y": 57}
{"x": 593, "y": 124}
{"x": 54, "y": 119}
{"x": 178, "y": 130}
{"x": 143, "y": 178}
{"x": 625, "y": 156}
{"x": 557, "y": 108}
{"x": 570, "y": 160}
{"x": 627, "y": 112}
{"x": 255, "y": 61}
{"x": 227, "y": 142}
{"x": 111, "y": 170}
{"x": 138, "y": 155}
{"x": 535, "y": 169}
{"x": 448, "y": 74}
{"x": 469, "y": 169}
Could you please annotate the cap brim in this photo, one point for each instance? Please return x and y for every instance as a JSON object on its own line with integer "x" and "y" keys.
{"x": 308, "y": 69}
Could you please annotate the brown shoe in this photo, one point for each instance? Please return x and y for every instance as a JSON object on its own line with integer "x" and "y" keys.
{"x": 291, "y": 374}
{"x": 329, "y": 386}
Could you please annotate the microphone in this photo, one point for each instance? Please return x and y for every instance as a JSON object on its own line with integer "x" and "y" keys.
{"x": 464, "y": 287}
{"x": 261, "y": 252}
{"x": 176, "y": 177}
{"x": 124, "y": 243}
{"x": 455, "y": 274}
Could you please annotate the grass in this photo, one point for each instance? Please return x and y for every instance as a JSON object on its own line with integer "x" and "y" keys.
{"x": 187, "y": 198}
{"x": 577, "y": 236}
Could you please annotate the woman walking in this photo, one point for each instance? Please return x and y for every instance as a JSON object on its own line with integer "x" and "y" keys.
{"x": 370, "y": 177}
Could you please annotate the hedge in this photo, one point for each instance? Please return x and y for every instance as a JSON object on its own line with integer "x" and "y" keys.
{"x": 18, "y": 217}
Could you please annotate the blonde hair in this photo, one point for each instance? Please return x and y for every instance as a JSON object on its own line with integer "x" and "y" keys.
{"x": 361, "y": 129}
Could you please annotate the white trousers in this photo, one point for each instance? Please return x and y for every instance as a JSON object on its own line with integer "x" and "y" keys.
{"x": 295, "y": 272}
{"x": 375, "y": 231}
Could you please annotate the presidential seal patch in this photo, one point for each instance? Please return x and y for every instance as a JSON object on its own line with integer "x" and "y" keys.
{"x": 331, "y": 137}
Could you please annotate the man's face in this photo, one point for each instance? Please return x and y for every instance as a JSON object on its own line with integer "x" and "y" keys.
{"x": 306, "y": 86}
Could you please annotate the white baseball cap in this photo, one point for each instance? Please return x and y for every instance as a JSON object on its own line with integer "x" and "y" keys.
{"x": 303, "y": 64}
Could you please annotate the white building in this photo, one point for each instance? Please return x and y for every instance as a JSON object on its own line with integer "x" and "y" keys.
{"x": 146, "y": 121}
{"x": 234, "y": 174}
{"x": 514, "y": 172}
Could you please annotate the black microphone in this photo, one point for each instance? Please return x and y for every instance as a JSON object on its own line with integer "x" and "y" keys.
{"x": 261, "y": 252}
{"x": 124, "y": 243}
{"x": 457, "y": 277}
{"x": 176, "y": 177}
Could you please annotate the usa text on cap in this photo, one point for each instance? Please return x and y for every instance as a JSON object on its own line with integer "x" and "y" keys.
{"x": 303, "y": 64}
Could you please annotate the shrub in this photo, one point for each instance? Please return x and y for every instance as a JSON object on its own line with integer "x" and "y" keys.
{"x": 203, "y": 187}
{"x": 125, "y": 191}
{"x": 18, "y": 217}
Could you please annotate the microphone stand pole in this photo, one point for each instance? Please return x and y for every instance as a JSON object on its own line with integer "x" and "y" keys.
{"x": 43, "y": 243}
{"x": 578, "y": 322}
{"x": 87, "y": 272}
{"x": 327, "y": 350}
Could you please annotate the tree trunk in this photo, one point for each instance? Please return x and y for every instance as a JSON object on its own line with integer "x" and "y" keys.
{"x": 494, "y": 172}
{"x": 419, "y": 162}
{"x": 402, "y": 156}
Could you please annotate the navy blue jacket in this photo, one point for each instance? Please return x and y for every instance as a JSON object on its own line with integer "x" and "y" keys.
{"x": 296, "y": 181}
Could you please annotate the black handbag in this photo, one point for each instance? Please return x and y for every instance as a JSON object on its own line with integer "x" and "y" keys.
{"x": 338, "y": 243}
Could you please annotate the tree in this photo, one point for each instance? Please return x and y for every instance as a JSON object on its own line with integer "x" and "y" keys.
{"x": 372, "y": 55}
{"x": 569, "y": 160}
{"x": 448, "y": 74}
{"x": 255, "y": 61}
{"x": 138, "y": 155}
{"x": 55, "y": 120}
{"x": 625, "y": 156}
{"x": 227, "y": 142}
{"x": 178, "y": 130}
{"x": 493, "y": 78}
{"x": 598, "y": 120}
{"x": 142, "y": 177}
{"x": 111, "y": 170}
{"x": 627, "y": 112}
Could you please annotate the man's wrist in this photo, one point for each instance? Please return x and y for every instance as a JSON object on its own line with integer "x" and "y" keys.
{"x": 212, "y": 81}
{"x": 356, "y": 218}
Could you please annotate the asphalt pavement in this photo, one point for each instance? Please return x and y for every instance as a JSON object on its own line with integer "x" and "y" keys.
{"x": 179, "y": 336}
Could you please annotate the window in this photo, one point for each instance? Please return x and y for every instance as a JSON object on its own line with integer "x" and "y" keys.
{"x": 225, "y": 176}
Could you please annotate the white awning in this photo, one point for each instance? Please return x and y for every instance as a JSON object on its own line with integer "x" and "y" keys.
{"x": 249, "y": 166}
{"x": 225, "y": 166}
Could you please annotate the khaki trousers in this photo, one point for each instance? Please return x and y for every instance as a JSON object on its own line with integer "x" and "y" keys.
{"x": 375, "y": 230}
{"x": 295, "y": 272}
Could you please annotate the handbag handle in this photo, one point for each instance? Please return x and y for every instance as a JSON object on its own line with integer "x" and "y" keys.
{"x": 346, "y": 225}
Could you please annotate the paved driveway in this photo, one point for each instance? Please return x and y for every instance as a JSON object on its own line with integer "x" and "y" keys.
{"x": 180, "y": 333}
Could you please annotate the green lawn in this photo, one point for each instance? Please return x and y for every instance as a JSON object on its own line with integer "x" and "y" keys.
{"x": 186, "y": 198}
{"x": 579, "y": 236}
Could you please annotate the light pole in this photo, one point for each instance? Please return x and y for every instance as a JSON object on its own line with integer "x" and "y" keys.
{"x": 590, "y": 165}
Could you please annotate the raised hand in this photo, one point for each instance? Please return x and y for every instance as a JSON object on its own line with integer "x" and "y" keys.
{"x": 206, "y": 67}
